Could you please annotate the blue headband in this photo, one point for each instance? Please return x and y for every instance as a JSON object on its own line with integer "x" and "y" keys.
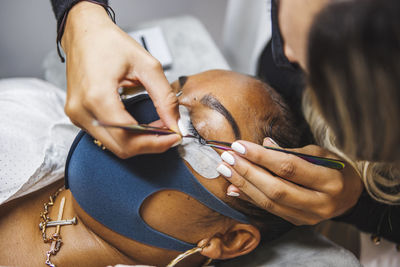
{"x": 112, "y": 190}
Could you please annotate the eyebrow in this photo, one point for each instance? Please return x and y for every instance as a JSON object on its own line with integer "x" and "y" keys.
{"x": 182, "y": 80}
{"x": 213, "y": 103}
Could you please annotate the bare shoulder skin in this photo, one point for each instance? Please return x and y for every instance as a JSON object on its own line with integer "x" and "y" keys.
{"x": 21, "y": 242}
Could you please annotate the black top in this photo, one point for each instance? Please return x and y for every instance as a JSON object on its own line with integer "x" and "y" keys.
{"x": 62, "y": 6}
{"x": 368, "y": 215}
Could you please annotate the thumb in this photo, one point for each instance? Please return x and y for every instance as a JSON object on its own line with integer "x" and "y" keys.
{"x": 163, "y": 97}
{"x": 268, "y": 141}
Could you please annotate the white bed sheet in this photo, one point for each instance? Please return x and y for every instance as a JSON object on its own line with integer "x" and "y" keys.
{"x": 35, "y": 136}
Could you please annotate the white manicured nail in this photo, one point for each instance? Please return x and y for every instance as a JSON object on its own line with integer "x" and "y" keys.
{"x": 228, "y": 158}
{"x": 273, "y": 141}
{"x": 225, "y": 171}
{"x": 233, "y": 194}
{"x": 238, "y": 148}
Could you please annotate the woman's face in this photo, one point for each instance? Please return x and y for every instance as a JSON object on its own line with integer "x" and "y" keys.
{"x": 295, "y": 20}
{"x": 223, "y": 106}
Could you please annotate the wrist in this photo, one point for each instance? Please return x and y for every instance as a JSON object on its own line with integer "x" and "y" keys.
{"x": 81, "y": 17}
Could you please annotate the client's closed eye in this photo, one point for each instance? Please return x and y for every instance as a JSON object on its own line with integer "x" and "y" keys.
{"x": 195, "y": 133}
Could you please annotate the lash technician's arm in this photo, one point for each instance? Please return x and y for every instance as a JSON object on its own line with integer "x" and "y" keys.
{"x": 61, "y": 7}
{"x": 116, "y": 60}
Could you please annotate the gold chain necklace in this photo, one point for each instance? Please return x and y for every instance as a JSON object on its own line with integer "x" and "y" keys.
{"x": 46, "y": 222}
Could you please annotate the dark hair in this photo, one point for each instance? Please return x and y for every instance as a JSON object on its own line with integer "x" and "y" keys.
{"x": 289, "y": 131}
{"x": 354, "y": 75}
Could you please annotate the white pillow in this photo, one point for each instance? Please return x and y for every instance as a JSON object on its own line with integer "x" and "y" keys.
{"x": 35, "y": 136}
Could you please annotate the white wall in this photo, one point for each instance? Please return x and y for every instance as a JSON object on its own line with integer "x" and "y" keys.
{"x": 28, "y": 27}
{"x": 246, "y": 30}
{"x": 27, "y": 33}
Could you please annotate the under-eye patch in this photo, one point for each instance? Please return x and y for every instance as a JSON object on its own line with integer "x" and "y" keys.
{"x": 203, "y": 159}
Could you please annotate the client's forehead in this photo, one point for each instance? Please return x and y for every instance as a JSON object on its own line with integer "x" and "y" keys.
{"x": 221, "y": 80}
{"x": 230, "y": 88}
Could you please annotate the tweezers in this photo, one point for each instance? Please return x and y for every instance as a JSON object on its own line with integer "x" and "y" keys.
{"x": 136, "y": 128}
{"x": 321, "y": 161}
{"x": 143, "y": 128}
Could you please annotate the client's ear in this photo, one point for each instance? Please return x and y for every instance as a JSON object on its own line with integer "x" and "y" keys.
{"x": 238, "y": 240}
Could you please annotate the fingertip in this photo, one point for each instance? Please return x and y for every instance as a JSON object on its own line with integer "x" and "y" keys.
{"x": 167, "y": 141}
{"x": 224, "y": 170}
{"x": 170, "y": 118}
{"x": 233, "y": 191}
{"x": 228, "y": 158}
{"x": 233, "y": 194}
{"x": 166, "y": 104}
{"x": 152, "y": 144}
{"x": 238, "y": 147}
{"x": 233, "y": 188}
{"x": 174, "y": 127}
{"x": 178, "y": 140}
{"x": 268, "y": 141}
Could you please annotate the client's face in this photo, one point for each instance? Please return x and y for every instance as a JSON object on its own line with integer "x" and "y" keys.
{"x": 223, "y": 106}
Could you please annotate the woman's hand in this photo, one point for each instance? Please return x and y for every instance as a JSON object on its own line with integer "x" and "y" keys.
{"x": 288, "y": 186}
{"x": 100, "y": 59}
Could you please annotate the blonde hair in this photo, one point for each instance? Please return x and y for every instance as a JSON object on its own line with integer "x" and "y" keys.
{"x": 354, "y": 72}
{"x": 381, "y": 180}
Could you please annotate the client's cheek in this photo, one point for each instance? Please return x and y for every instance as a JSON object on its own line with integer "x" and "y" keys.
{"x": 176, "y": 214}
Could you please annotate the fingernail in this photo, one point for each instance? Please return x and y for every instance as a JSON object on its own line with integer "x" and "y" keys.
{"x": 272, "y": 141}
{"x": 228, "y": 158}
{"x": 225, "y": 171}
{"x": 239, "y": 148}
{"x": 269, "y": 141}
{"x": 177, "y": 143}
{"x": 176, "y": 129}
{"x": 233, "y": 194}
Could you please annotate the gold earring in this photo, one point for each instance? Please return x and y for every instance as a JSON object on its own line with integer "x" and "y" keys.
{"x": 186, "y": 254}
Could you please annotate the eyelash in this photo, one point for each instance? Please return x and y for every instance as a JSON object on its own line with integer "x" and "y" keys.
{"x": 195, "y": 133}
